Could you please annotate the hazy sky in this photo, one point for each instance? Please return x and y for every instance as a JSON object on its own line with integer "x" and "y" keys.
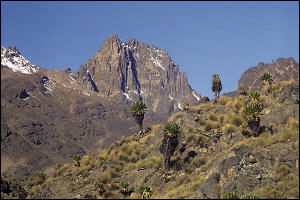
{"x": 203, "y": 38}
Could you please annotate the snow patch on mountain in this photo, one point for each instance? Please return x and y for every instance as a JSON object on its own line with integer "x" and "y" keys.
{"x": 12, "y": 58}
{"x": 197, "y": 97}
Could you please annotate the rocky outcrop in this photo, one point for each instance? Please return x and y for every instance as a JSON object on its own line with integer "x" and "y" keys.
{"x": 13, "y": 190}
{"x": 134, "y": 71}
{"x": 282, "y": 70}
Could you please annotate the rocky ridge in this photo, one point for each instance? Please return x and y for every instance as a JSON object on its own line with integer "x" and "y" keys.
{"x": 282, "y": 69}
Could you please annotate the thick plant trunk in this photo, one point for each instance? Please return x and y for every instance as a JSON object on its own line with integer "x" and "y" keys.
{"x": 254, "y": 126}
{"x": 167, "y": 155}
{"x": 139, "y": 119}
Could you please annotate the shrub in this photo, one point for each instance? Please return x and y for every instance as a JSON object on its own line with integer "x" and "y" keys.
{"x": 254, "y": 95}
{"x": 244, "y": 125}
{"x": 267, "y": 77}
{"x": 145, "y": 191}
{"x": 171, "y": 129}
{"x": 138, "y": 108}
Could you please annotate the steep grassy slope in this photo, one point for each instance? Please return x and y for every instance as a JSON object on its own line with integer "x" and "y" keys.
{"x": 212, "y": 157}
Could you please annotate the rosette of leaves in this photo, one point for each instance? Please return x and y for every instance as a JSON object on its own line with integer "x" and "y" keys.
{"x": 249, "y": 196}
{"x": 267, "y": 77}
{"x": 186, "y": 106}
{"x": 253, "y": 110}
{"x": 124, "y": 187}
{"x": 171, "y": 129}
{"x": 41, "y": 177}
{"x": 76, "y": 159}
{"x": 230, "y": 195}
{"x": 244, "y": 125}
{"x": 100, "y": 188}
{"x": 138, "y": 111}
{"x": 242, "y": 90}
{"x": 254, "y": 95}
{"x": 145, "y": 191}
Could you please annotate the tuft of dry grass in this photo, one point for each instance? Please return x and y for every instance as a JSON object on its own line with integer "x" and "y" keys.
{"x": 213, "y": 117}
{"x": 35, "y": 189}
{"x": 211, "y": 125}
{"x": 285, "y": 186}
{"x": 222, "y": 118}
{"x": 203, "y": 106}
{"x": 236, "y": 120}
{"x": 225, "y": 101}
{"x": 228, "y": 128}
{"x": 177, "y": 115}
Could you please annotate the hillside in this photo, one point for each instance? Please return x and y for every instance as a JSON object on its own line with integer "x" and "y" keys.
{"x": 212, "y": 157}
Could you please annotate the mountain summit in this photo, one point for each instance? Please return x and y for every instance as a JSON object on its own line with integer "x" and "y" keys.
{"x": 134, "y": 71}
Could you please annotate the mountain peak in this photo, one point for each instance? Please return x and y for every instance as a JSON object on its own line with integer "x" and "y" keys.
{"x": 12, "y": 58}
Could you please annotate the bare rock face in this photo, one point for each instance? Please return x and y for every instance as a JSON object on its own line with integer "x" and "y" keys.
{"x": 134, "y": 71}
{"x": 282, "y": 70}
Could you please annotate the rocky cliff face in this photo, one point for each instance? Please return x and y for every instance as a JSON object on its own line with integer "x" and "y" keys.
{"x": 134, "y": 71}
{"x": 282, "y": 70}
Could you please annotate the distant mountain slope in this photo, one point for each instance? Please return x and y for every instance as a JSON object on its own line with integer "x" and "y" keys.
{"x": 46, "y": 117}
{"x": 134, "y": 71}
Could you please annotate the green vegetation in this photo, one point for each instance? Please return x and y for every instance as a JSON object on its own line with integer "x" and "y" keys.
{"x": 233, "y": 195}
{"x": 244, "y": 125}
{"x": 253, "y": 110}
{"x": 242, "y": 90}
{"x": 76, "y": 159}
{"x": 267, "y": 78}
{"x": 138, "y": 111}
{"x": 216, "y": 85}
{"x": 124, "y": 187}
{"x": 186, "y": 107}
{"x": 145, "y": 191}
{"x": 100, "y": 188}
{"x": 230, "y": 195}
{"x": 171, "y": 129}
{"x": 254, "y": 95}
{"x": 41, "y": 177}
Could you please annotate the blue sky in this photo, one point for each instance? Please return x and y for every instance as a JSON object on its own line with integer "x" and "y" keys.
{"x": 203, "y": 38}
